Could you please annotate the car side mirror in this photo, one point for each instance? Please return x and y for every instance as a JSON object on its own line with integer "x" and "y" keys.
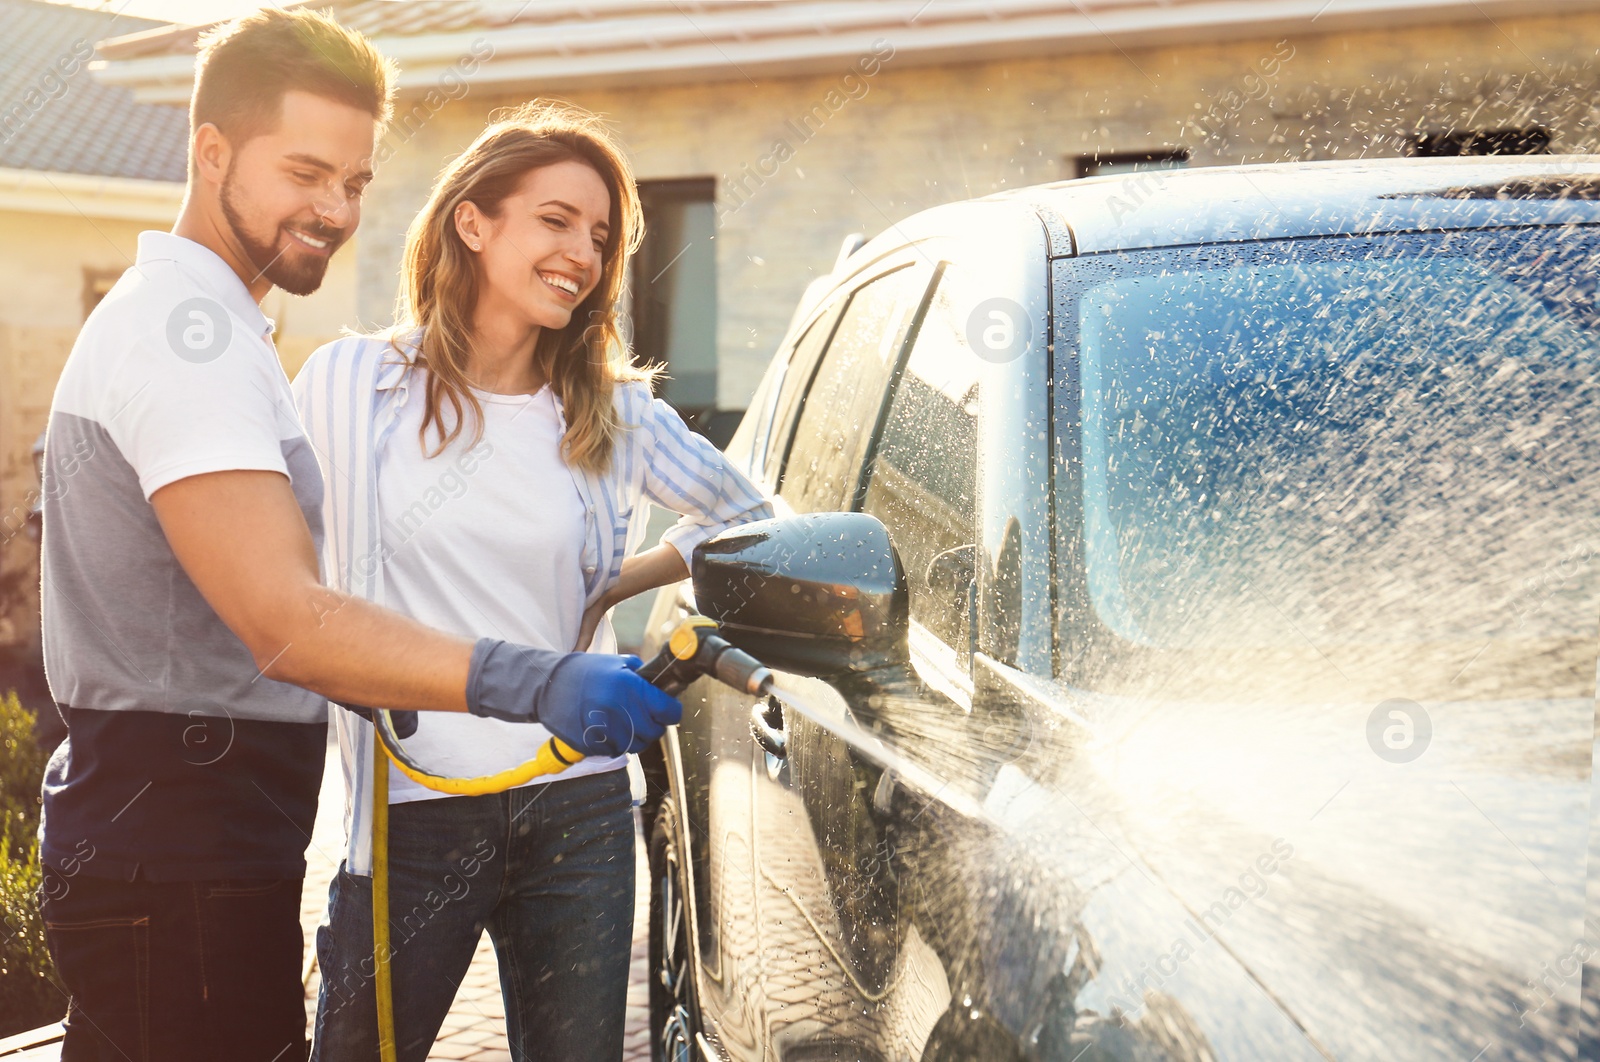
{"x": 821, "y": 594}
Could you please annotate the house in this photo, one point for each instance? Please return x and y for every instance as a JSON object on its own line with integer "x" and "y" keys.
{"x": 765, "y": 131}
{"x": 84, "y": 168}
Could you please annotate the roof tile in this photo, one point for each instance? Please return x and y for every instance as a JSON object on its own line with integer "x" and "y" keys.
{"x": 57, "y": 117}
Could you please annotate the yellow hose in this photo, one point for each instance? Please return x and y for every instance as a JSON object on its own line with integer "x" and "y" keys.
{"x": 554, "y": 756}
{"x": 380, "y": 901}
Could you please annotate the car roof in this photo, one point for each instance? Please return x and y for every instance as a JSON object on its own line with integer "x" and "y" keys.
{"x": 1234, "y": 204}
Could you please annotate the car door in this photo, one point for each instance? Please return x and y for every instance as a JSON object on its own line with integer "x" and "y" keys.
{"x": 711, "y": 748}
{"x": 826, "y": 415}
{"x": 848, "y": 966}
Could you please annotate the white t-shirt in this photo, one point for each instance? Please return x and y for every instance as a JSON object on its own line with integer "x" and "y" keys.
{"x": 486, "y": 540}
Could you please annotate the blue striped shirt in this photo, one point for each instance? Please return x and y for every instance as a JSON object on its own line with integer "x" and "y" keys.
{"x": 349, "y": 394}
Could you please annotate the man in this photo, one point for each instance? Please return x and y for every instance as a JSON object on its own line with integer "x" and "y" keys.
{"x": 183, "y": 610}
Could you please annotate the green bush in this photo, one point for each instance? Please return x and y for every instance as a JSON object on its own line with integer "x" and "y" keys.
{"x": 29, "y": 996}
{"x": 21, "y": 766}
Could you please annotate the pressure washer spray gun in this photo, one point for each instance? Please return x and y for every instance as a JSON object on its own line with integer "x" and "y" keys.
{"x": 696, "y": 649}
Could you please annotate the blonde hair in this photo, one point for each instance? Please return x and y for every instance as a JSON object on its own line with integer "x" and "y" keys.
{"x": 584, "y": 361}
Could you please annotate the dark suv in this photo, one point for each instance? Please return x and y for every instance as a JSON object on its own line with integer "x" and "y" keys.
{"x": 1185, "y": 619}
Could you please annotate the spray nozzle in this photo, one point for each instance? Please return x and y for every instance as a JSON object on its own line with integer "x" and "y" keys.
{"x": 694, "y": 649}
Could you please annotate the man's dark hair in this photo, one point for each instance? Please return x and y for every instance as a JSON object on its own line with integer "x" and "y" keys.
{"x": 245, "y": 66}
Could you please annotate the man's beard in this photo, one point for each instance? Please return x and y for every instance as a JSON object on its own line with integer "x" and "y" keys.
{"x": 296, "y": 274}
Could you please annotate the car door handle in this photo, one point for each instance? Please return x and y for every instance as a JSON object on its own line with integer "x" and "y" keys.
{"x": 766, "y": 726}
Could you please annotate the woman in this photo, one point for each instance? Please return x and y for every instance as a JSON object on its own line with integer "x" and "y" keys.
{"x": 487, "y": 460}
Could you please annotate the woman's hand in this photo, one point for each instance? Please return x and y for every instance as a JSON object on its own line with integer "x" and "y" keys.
{"x": 591, "y": 620}
{"x": 641, "y": 572}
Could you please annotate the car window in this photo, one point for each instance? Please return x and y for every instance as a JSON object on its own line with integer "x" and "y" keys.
{"x": 923, "y": 472}
{"x": 840, "y": 411}
{"x": 749, "y": 442}
{"x": 802, "y": 367}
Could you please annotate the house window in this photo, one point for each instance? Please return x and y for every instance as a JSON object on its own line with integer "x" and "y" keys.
{"x": 1101, "y": 163}
{"x": 1533, "y": 141}
{"x": 96, "y": 282}
{"x": 673, "y": 311}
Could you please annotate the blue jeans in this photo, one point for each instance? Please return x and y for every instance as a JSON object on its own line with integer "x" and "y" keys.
{"x": 548, "y": 869}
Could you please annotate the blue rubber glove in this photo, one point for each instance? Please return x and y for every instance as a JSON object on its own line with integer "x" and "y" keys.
{"x": 595, "y": 702}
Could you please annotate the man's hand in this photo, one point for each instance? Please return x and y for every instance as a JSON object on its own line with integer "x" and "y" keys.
{"x": 601, "y": 706}
{"x": 595, "y": 702}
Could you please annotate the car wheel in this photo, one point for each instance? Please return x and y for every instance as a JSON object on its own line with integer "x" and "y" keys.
{"x": 674, "y": 1017}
